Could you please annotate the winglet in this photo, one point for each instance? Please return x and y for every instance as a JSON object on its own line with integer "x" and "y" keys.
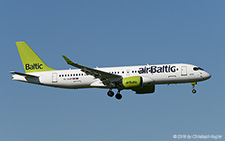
{"x": 68, "y": 61}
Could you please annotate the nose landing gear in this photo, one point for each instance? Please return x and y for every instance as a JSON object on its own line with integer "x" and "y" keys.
{"x": 194, "y": 91}
{"x": 193, "y": 86}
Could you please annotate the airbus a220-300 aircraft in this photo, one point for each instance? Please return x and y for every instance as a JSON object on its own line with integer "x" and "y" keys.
{"x": 141, "y": 79}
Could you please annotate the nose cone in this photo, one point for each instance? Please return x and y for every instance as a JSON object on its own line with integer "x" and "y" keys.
{"x": 206, "y": 75}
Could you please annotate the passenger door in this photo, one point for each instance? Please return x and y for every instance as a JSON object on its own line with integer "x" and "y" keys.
{"x": 184, "y": 71}
{"x": 54, "y": 78}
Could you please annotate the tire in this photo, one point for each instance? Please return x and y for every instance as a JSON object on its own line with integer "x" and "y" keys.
{"x": 118, "y": 96}
{"x": 110, "y": 93}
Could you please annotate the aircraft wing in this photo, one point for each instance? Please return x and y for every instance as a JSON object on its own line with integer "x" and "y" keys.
{"x": 105, "y": 77}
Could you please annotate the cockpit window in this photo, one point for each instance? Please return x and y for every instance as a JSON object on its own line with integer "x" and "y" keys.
{"x": 197, "y": 68}
{"x": 201, "y": 68}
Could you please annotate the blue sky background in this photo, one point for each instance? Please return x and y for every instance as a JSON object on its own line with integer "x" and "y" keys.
{"x": 112, "y": 33}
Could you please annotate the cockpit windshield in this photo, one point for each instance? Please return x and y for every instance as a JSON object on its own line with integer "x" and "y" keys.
{"x": 197, "y": 68}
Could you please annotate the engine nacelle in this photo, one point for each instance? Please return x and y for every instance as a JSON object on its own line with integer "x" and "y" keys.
{"x": 145, "y": 89}
{"x": 138, "y": 84}
{"x": 132, "y": 82}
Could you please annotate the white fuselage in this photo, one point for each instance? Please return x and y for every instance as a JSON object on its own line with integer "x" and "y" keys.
{"x": 152, "y": 74}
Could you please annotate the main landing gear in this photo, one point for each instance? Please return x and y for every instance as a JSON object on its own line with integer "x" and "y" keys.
{"x": 193, "y": 86}
{"x": 110, "y": 93}
{"x": 118, "y": 96}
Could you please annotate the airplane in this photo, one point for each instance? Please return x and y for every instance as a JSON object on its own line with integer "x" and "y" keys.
{"x": 140, "y": 79}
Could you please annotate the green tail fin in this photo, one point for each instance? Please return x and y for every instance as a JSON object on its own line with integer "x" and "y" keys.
{"x": 31, "y": 62}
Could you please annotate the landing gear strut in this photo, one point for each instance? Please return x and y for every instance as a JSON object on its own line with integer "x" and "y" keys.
{"x": 118, "y": 95}
{"x": 193, "y": 86}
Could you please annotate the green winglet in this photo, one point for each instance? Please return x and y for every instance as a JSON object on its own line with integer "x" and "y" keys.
{"x": 68, "y": 61}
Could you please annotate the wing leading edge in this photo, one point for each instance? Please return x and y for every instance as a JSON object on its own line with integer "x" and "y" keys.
{"x": 105, "y": 77}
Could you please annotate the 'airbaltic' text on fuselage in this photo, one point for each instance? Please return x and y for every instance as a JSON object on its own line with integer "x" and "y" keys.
{"x": 157, "y": 69}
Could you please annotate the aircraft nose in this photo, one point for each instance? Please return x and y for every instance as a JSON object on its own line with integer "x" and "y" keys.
{"x": 207, "y": 75}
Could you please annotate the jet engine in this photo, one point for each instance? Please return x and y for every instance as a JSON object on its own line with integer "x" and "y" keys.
{"x": 138, "y": 84}
{"x": 132, "y": 82}
{"x": 145, "y": 89}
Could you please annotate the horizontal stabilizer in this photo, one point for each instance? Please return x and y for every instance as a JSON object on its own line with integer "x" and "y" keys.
{"x": 23, "y": 74}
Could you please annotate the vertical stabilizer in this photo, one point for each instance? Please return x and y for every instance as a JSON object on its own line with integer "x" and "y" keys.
{"x": 31, "y": 62}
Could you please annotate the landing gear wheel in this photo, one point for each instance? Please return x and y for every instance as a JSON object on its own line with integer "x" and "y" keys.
{"x": 194, "y": 91}
{"x": 118, "y": 96}
{"x": 110, "y": 93}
